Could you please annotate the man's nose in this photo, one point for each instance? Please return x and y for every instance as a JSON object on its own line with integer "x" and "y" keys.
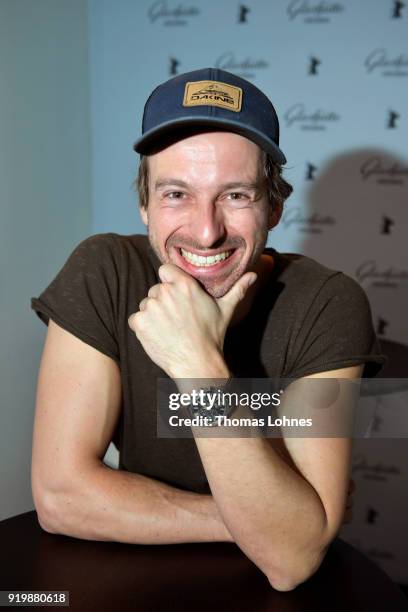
{"x": 207, "y": 225}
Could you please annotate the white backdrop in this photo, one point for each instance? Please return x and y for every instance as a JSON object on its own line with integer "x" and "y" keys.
{"x": 337, "y": 73}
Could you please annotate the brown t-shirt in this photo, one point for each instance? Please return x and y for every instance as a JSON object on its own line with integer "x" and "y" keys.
{"x": 307, "y": 319}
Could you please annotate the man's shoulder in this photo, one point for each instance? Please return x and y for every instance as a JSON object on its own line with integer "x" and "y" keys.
{"x": 307, "y": 278}
{"x": 295, "y": 267}
{"x": 126, "y": 248}
{"x": 109, "y": 239}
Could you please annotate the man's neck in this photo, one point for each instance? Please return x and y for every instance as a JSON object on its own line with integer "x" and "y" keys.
{"x": 263, "y": 269}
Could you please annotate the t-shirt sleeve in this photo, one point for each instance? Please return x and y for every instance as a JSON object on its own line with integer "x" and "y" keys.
{"x": 337, "y": 331}
{"x": 83, "y": 297}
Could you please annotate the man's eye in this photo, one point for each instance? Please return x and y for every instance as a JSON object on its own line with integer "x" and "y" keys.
{"x": 175, "y": 195}
{"x": 235, "y": 195}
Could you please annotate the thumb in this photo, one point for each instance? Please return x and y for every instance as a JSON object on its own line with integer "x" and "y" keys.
{"x": 229, "y": 301}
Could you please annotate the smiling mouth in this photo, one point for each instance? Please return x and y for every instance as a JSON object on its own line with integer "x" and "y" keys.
{"x": 203, "y": 261}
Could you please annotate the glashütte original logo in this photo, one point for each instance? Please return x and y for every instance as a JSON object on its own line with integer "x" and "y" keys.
{"x": 378, "y": 61}
{"x": 390, "y": 278}
{"x": 386, "y": 225}
{"x": 376, "y": 424}
{"x": 161, "y": 12}
{"x": 392, "y": 118}
{"x": 243, "y": 13}
{"x": 378, "y": 553}
{"x": 310, "y": 172}
{"x": 213, "y": 93}
{"x": 313, "y": 12}
{"x": 371, "y": 515}
{"x": 382, "y": 325}
{"x": 397, "y": 7}
{"x": 374, "y": 471}
{"x": 319, "y": 119}
{"x": 383, "y": 173}
{"x": 314, "y": 62}
{"x": 173, "y": 66}
{"x": 246, "y": 68}
{"x": 313, "y": 223}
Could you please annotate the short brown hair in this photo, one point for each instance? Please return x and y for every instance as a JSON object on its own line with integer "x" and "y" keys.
{"x": 278, "y": 189}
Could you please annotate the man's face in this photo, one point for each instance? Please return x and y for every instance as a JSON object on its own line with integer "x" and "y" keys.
{"x": 208, "y": 211}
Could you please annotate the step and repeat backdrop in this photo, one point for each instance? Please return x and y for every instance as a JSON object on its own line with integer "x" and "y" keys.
{"x": 337, "y": 74}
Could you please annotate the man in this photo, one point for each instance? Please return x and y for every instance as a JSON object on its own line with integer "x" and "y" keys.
{"x": 200, "y": 299}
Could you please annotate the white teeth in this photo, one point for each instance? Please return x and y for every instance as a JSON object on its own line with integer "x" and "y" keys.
{"x": 199, "y": 260}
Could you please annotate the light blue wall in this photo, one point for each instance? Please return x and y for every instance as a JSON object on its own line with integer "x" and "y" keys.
{"x": 121, "y": 69}
{"x": 131, "y": 44}
{"x": 45, "y": 200}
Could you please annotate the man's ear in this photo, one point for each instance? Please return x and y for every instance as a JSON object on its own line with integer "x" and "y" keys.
{"x": 275, "y": 213}
{"x": 143, "y": 214}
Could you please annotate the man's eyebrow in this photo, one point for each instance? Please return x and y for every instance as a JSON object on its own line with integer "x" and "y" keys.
{"x": 253, "y": 186}
{"x": 166, "y": 182}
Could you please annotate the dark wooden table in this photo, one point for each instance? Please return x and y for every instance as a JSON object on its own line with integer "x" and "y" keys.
{"x": 107, "y": 576}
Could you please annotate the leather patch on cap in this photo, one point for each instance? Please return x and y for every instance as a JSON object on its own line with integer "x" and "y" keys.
{"x": 213, "y": 93}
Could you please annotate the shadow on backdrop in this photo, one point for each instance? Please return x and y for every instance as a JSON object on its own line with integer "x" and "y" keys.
{"x": 353, "y": 218}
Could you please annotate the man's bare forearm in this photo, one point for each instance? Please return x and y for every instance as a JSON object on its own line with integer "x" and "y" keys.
{"x": 114, "y": 505}
{"x": 273, "y": 513}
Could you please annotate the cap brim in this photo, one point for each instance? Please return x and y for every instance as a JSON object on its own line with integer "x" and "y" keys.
{"x": 149, "y": 140}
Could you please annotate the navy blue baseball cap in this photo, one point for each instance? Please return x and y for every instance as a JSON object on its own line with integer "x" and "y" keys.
{"x": 210, "y": 98}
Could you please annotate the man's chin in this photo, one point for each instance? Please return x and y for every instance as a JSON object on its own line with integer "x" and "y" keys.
{"x": 214, "y": 283}
{"x": 217, "y": 289}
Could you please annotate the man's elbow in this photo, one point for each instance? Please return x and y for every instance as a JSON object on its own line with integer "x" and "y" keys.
{"x": 287, "y": 578}
{"x": 47, "y": 513}
{"x": 299, "y": 566}
{"x": 286, "y": 582}
{"x": 53, "y": 502}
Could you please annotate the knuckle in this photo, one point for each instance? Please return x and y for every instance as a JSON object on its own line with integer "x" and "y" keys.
{"x": 136, "y": 321}
{"x": 153, "y": 291}
{"x": 139, "y": 322}
{"x": 164, "y": 289}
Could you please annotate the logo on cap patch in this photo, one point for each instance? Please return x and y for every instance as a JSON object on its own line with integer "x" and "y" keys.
{"x": 213, "y": 93}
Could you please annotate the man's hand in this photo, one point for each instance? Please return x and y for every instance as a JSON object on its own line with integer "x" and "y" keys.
{"x": 182, "y": 328}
